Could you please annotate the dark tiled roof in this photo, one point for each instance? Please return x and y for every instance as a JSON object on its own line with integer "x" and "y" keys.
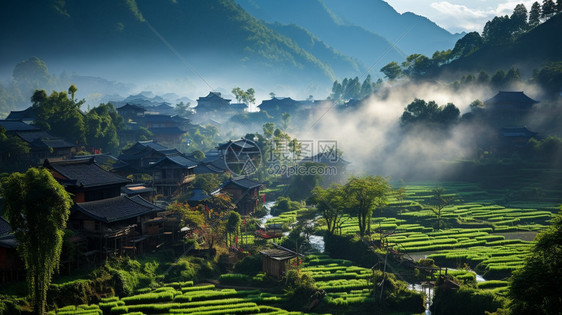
{"x": 244, "y": 183}
{"x": 178, "y": 160}
{"x": 166, "y": 131}
{"x": 279, "y": 254}
{"x": 142, "y": 145}
{"x": 508, "y": 97}
{"x": 85, "y": 173}
{"x": 131, "y": 107}
{"x": 213, "y": 95}
{"x": 158, "y": 118}
{"x": 106, "y": 161}
{"x": 240, "y": 144}
{"x": 42, "y": 139}
{"x": 116, "y": 209}
{"x": 16, "y": 125}
{"x": 5, "y": 227}
{"x": 26, "y": 114}
{"x": 135, "y": 189}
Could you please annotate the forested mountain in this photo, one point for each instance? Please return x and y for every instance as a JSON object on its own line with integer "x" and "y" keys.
{"x": 155, "y": 39}
{"x": 412, "y": 33}
{"x": 529, "y": 51}
{"x": 315, "y": 16}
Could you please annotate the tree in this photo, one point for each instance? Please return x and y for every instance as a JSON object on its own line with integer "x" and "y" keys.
{"x": 558, "y": 6}
{"x": 32, "y": 74}
{"x": 498, "y": 31}
{"x": 285, "y": 120}
{"x": 11, "y": 146}
{"x": 362, "y": 197}
{"x": 548, "y": 9}
{"x": 535, "y": 288}
{"x": 420, "y": 111}
{"x": 72, "y": 90}
{"x": 468, "y": 44}
{"x": 247, "y": 97}
{"x": 182, "y": 109}
{"x": 392, "y": 70}
{"x": 439, "y": 201}
{"x": 59, "y": 115}
{"x": 37, "y": 207}
{"x": 330, "y": 202}
{"x": 519, "y": 19}
{"x": 233, "y": 225}
{"x": 535, "y": 15}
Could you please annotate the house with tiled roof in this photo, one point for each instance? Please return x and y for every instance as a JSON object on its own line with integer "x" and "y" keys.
{"x": 144, "y": 153}
{"x": 509, "y": 108}
{"x": 244, "y": 193}
{"x": 11, "y": 266}
{"x": 131, "y": 112}
{"x": 172, "y": 173}
{"x": 115, "y": 226}
{"x": 85, "y": 179}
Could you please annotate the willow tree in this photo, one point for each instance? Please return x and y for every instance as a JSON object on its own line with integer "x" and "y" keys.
{"x": 363, "y": 196}
{"x": 37, "y": 207}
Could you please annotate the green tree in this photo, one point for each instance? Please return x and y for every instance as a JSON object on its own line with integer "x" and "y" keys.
{"x": 37, "y": 207}
{"x": 362, "y": 197}
{"x": 32, "y": 74}
{"x": 548, "y": 9}
{"x": 11, "y": 146}
{"x": 233, "y": 225}
{"x": 420, "y": 111}
{"x": 59, "y": 115}
{"x": 392, "y": 70}
{"x": 519, "y": 19}
{"x": 102, "y": 124}
{"x": 468, "y": 44}
{"x": 498, "y": 31}
{"x": 330, "y": 202}
{"x": 182, "y": 109}
{"x": 535, "y": 288}
{"x": 535, "y": 15}
{"x": 439, "y": 201}
{"x": 72, "y": 90}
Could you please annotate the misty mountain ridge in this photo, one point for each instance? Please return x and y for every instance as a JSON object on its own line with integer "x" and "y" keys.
{"x": 297, "y": 47}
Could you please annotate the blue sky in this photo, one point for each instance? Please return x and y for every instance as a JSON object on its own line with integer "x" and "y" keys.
{"x": 458, "y": 16}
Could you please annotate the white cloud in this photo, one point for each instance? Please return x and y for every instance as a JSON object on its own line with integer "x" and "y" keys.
{"x": 460, "y": 17}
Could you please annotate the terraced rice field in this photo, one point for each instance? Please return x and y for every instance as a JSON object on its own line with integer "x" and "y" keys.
{"x": 474, "y": 230}
{"x": 185, "y": 298}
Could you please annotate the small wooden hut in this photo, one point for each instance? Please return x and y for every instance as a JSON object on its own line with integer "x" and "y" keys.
{"x": 276, "y": 260}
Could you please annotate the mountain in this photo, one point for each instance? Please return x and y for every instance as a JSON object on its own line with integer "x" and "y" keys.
{"x": 342, "y": 65}
{"x": 372, "y": 49}
{"x": 210, "y": 43}
{"x": 411, "y": 33}
{"x": 531, "y": 50}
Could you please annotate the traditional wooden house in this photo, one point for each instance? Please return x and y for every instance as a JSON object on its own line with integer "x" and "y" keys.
{"x": 277, "y": 261}
{"x": 245, "y": 194}
{"x": 131, "y": 112}
{"x": 27, "y": 115}
{"x": 508, "y": 109}
{"x": 213, "y": 102}
{"x": 144, "y": 153}
{"x": 42, "y": 146}
{"x": 114, "y": 226}
{"x": 277, "y": 106}
{"x": 172, "y": 173}
{"x": 86, "y": 180}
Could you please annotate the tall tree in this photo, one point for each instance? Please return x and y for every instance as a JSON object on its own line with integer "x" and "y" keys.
{"x": 363, "y": 196}
{"x": 535, "y": 288}
{"x": 519, "y": 18}
{"x": 439, "y": 201}
{"x": 548, "y": 9}
{"x": 465, "y": 46}
{"x": 535, "y": 14}
{"x": 331, "y": 203}
{"x": 37, "y": 207}
{"x": 392, "y": 70}
{"x": 60, "y": 115}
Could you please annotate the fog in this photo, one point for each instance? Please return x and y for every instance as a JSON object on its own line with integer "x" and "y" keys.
{"x": 372, "y": 139}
